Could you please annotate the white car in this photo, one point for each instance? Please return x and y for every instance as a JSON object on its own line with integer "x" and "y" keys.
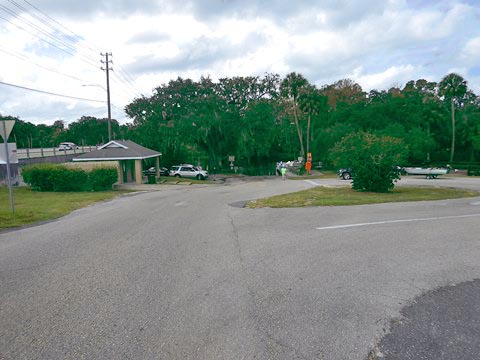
{"x": 67, "y": 146}
{"x": 188, "y": 171}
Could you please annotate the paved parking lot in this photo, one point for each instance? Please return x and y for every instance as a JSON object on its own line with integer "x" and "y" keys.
{"x": 182, "y": 274}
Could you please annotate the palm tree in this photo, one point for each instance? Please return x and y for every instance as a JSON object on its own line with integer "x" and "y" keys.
{"x": 453, "y": 87}
{"x": 311, "y": 102}
{"x": 290, "y": 89}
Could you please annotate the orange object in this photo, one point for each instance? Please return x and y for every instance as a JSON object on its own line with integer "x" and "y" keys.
{"x": 308, "y": 166}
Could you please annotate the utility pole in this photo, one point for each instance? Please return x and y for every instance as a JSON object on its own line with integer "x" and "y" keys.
{"x": 107, "y": 68}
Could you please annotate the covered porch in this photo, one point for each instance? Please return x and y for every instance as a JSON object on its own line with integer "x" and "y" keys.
{"x": 128, "y": 154}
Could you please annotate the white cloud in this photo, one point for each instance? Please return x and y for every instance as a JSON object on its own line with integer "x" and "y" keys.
{"x": 393, "y": 76}
{"x": 470, "y": 54}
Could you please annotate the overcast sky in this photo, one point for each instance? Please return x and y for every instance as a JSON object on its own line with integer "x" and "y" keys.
{"x": 55, "y": 45}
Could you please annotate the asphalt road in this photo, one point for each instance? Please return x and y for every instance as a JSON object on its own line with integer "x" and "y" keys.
{"x": 182, "y": 274}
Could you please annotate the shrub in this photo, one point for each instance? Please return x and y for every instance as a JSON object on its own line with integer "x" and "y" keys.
{"x": 53, "y": 177}
{"x": 374, "y": 160}
{"x": 102, "y": 178}
{"x": 68, "y": 179}
{"x": 39, "y": 176}
{"x": 473, "y": 171}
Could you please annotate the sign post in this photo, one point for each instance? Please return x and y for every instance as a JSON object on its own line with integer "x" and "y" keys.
{"x": 6, "y": 127}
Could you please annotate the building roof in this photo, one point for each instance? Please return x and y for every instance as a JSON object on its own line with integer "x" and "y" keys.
{"x": 119, "y": 150}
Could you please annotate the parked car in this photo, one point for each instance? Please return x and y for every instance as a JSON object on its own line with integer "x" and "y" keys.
{"x": 67, "y": 146}
{"x": 152, "y": 171}
{"x": 188, "y": 171}
{"x": 345, "y": 174}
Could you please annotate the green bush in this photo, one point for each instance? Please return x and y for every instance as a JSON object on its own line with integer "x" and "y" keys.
{"x": 254, "y": 170}
{"x": 374, "y": 160}
{"x": 473, "y": 171}
{"x": 102, "y": 178}
{"x": 67, "y": 179}
{"x": 39, "y": 176}
{"x": 53, "y": 177}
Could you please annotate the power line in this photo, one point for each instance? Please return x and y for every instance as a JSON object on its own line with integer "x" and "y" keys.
{"x": 118, "y": 108}
{"x": 38, "y": 18}
{"x": 122, "y": 74}
{"x": 25, "y": 58}
{"x": 54, "y": 45}
{"x": 57, "y": 36}
{"x": 55, "y": 21}
{"x": 121, "y": 77}
{"x": 68, "y": 48}
{"x": 51, "y": 93}
{"x": 64, "y": 36}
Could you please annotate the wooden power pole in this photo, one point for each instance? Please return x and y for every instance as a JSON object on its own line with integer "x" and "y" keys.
{"x": 107, "y": 68}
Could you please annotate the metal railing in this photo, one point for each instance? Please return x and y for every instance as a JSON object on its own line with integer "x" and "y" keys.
{"x": 47, "y": 152}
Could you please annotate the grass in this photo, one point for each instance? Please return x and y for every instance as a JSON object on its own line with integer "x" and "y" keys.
{"x": 32, "y": 206}
{"x": 343, "y": 195}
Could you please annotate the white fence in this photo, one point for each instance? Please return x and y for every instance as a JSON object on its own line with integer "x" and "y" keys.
{"x": 46, "y": 152}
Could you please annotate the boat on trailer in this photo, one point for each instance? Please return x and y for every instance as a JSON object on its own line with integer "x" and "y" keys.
{"x": 430, "y": 173}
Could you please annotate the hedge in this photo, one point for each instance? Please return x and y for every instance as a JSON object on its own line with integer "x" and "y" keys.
{"x": 53, "y": 177}
{"x": 102, "y": 178}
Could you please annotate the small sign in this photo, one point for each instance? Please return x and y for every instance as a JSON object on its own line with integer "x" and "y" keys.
{"x": 6, "y": 127}
{"x": 231, "y": 158}
{"x": 12, "y": 154}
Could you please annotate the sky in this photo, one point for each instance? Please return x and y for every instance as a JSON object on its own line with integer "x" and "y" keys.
{"x": 55, "y": 46}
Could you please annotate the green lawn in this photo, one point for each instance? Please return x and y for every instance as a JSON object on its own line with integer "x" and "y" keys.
{"x": 32, "y": 206}
{"x": 344, "y": 195}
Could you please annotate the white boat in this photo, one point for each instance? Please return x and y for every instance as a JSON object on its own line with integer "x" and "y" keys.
{"x": 430, "y": 173}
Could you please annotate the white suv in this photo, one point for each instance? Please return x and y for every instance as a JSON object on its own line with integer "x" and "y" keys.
{"x": 188, "y": 171}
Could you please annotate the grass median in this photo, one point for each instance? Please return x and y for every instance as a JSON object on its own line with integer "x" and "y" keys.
{"x": 344, "y": 195}
{"x": 32, "y": 206}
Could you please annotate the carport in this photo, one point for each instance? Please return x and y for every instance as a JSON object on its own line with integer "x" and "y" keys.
{"x": 129, "y": 156}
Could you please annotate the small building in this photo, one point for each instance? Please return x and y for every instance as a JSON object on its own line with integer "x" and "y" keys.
{"x": 129, "y": 156}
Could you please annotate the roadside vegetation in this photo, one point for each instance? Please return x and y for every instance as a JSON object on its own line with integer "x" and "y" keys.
{"x": 250, "y": 123}
{"x": 344, "y": 195}
{"x": 33, "y": 206}
{"x": 59, "y": 178}
{"x": 373, "y": 160}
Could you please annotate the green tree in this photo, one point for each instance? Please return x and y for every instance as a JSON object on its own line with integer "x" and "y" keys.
{"x": 373, "y": 160}
{"x": 312, "y": 103}
{"x": 453, "y": 87}
{"x": 90, "y": 130}
{"x": 290, "y": 89}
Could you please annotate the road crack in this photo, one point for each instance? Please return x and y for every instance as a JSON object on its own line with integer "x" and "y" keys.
{"x": 270, "y": 342}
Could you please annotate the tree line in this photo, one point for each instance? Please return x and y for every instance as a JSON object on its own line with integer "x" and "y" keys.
{"x": 263, "y": 119}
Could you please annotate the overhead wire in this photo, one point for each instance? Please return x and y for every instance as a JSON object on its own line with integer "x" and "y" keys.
{"x": 74, "y": 39}
{"x": 122, "y": 78}
{"x": 20, "y": 27}
{"x": 55, "y": 21}
{"x": 51, "y": 37}
{"x": 27, "y": 59}
{"x": 123, "y": 75}
{"x": 65, "y": 40}
{"x": 128, "y": 78}
{"x": 51, "y": 93}
{"x": 43, "y": 21}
